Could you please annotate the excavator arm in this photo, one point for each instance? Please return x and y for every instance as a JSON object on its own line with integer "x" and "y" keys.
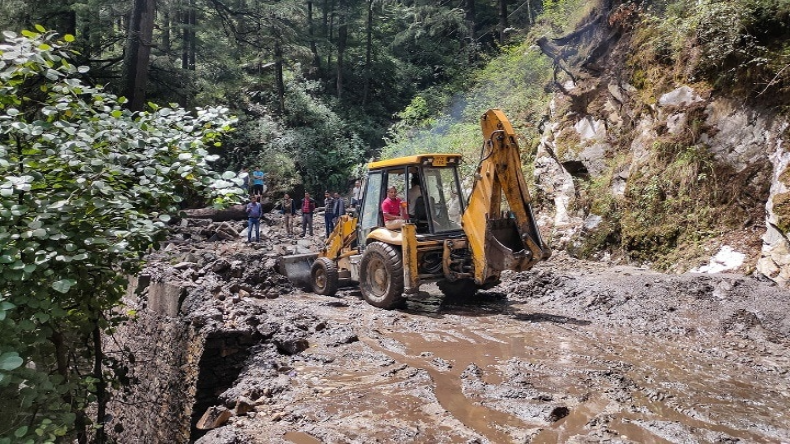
{"x": 500, "y": 227}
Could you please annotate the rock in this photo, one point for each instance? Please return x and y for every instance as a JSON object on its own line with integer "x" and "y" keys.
{"x": 220, "y": 266}
{"x": 244, "y": 405}
{"x": 682, "y": 96}
{"x": 184, "y": 265}
{"x": 291, "y": 346}
{"x": 215, "y": 416}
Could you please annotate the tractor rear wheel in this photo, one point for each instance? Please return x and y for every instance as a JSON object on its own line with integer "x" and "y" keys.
{"x": 381, "y": 275}
{"x": 324, "y": 276}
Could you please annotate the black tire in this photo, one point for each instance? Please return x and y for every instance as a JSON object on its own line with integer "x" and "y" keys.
{"x": 323, "y": 276}
{"x": 460, "y": 289}
{"x": 381, "y": 275}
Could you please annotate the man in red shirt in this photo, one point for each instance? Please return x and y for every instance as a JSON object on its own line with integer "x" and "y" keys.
{"x": 393, "y": 210}
{"x": 308, "y": 206}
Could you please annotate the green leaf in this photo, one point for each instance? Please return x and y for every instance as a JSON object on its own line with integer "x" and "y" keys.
{"x": 10, "y": 361}
{"x": 68, "y": 38}
{"x": 20, "y": 432}
{"x": 63, "y": 285}
{"x": 40, "y": 28}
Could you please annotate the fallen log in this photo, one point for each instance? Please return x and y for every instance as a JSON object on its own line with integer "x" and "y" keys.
{"x": 234, "y": 212}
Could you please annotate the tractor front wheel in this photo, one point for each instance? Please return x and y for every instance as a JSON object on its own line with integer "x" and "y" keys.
{"x": 324, "y": 276}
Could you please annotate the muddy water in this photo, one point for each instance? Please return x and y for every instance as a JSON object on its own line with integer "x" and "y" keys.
{"x": 511, "y": 374}
{"x": 301, "y": 438}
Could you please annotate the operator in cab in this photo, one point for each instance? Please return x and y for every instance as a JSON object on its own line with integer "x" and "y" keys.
{"x": 393, "y": 209}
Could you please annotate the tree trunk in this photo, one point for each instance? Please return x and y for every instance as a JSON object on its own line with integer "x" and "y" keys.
{"x": 311, "y": 33}
{"x": 184, "y": 18}
{"x": 471, "y": 19}
{"x": 342, "y": 40}
{"x": 502, "y": 20}
{"x": 278, "y": 69}
{"x": 101, "y": 385}
{"x": 368, "y": 53}
{"x": 235, "y": 212}
{"x": 188, "y": 36}
{"x": 166, "y": 30}
{"x": 62, "y": 362}
{"x": 330, "y": 32}
{"x": 192, "y": 36}
{"x": 138, "y": 52}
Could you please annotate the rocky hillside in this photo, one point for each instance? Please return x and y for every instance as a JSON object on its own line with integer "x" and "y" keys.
{"x": 645, "y": 156}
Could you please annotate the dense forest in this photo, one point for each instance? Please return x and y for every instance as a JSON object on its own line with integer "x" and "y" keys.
{"x": 316, "y": 85}
{"x": 115, "y": 114}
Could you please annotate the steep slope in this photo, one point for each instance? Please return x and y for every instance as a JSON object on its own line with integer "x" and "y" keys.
{"x": 649, "y": 155}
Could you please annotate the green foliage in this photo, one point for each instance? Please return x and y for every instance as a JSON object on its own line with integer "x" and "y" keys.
{"x": 677, "y": 198}
{"x": 310, "y": 145}
{"x": 86, "y": 188}
{"x": 561, "y": 16}
{"x": 513, "y": 81}
{"x": 732, "y": 44}
{"x": 322, "y": 145}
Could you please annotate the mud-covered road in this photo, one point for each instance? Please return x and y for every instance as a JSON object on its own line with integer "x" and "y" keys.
{"x": 568, "y": 352}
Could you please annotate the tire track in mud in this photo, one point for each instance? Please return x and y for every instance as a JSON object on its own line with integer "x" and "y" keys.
{"x": 533, "y": 367}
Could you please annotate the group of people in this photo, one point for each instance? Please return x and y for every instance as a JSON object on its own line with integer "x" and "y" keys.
{"x": 394, "y": 210}
{"x": 289, "y": 207}
{"x": 334, "y": 207}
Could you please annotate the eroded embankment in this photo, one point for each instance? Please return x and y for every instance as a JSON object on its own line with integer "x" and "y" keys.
{"x": 571, "y": 350}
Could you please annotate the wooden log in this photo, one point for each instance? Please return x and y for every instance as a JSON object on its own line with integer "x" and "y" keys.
{"x": 235, "y": 212}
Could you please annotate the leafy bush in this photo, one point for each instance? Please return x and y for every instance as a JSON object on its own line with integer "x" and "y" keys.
{"x": 86, "y": 187}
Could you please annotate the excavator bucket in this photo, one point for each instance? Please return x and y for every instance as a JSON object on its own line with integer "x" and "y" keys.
{"x": 297, "y": 268}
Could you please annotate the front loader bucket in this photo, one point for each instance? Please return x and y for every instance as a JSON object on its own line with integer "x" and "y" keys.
{"x": 297, "y": 267}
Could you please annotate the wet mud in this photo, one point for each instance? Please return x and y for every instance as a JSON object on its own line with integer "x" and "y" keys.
{"x": 568, "y": 352}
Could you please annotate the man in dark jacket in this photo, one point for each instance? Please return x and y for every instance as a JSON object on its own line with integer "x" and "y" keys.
{"x": 329, "y": 213}
{"x": 308, "y": 207}
{"x": 340, "y": 206}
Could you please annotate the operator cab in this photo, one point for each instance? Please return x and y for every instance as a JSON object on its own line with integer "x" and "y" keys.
{"x": 427, "y": 183}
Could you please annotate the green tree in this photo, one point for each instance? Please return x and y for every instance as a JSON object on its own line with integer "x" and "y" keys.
{"x": 86, "y": 187}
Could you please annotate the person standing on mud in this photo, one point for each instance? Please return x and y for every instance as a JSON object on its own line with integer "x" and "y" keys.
{"x": 257, "y": 182}
{"x": 356, "y": 194}
{"x": 289, "y": 211}
{"x": 340, "y": 207}
{"x": 308, "y": 206}
{"x": 254, "y": 213}
{"x": 329, "y": 215}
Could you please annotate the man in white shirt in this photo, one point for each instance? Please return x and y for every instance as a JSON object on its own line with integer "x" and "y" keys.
{"x": 356, "y": 194}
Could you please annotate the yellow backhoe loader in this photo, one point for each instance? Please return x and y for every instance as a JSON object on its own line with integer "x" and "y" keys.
{"x": 463, "y": 243}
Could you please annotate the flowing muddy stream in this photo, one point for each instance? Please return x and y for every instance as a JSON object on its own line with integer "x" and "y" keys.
{"x": 556, "y": 357}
